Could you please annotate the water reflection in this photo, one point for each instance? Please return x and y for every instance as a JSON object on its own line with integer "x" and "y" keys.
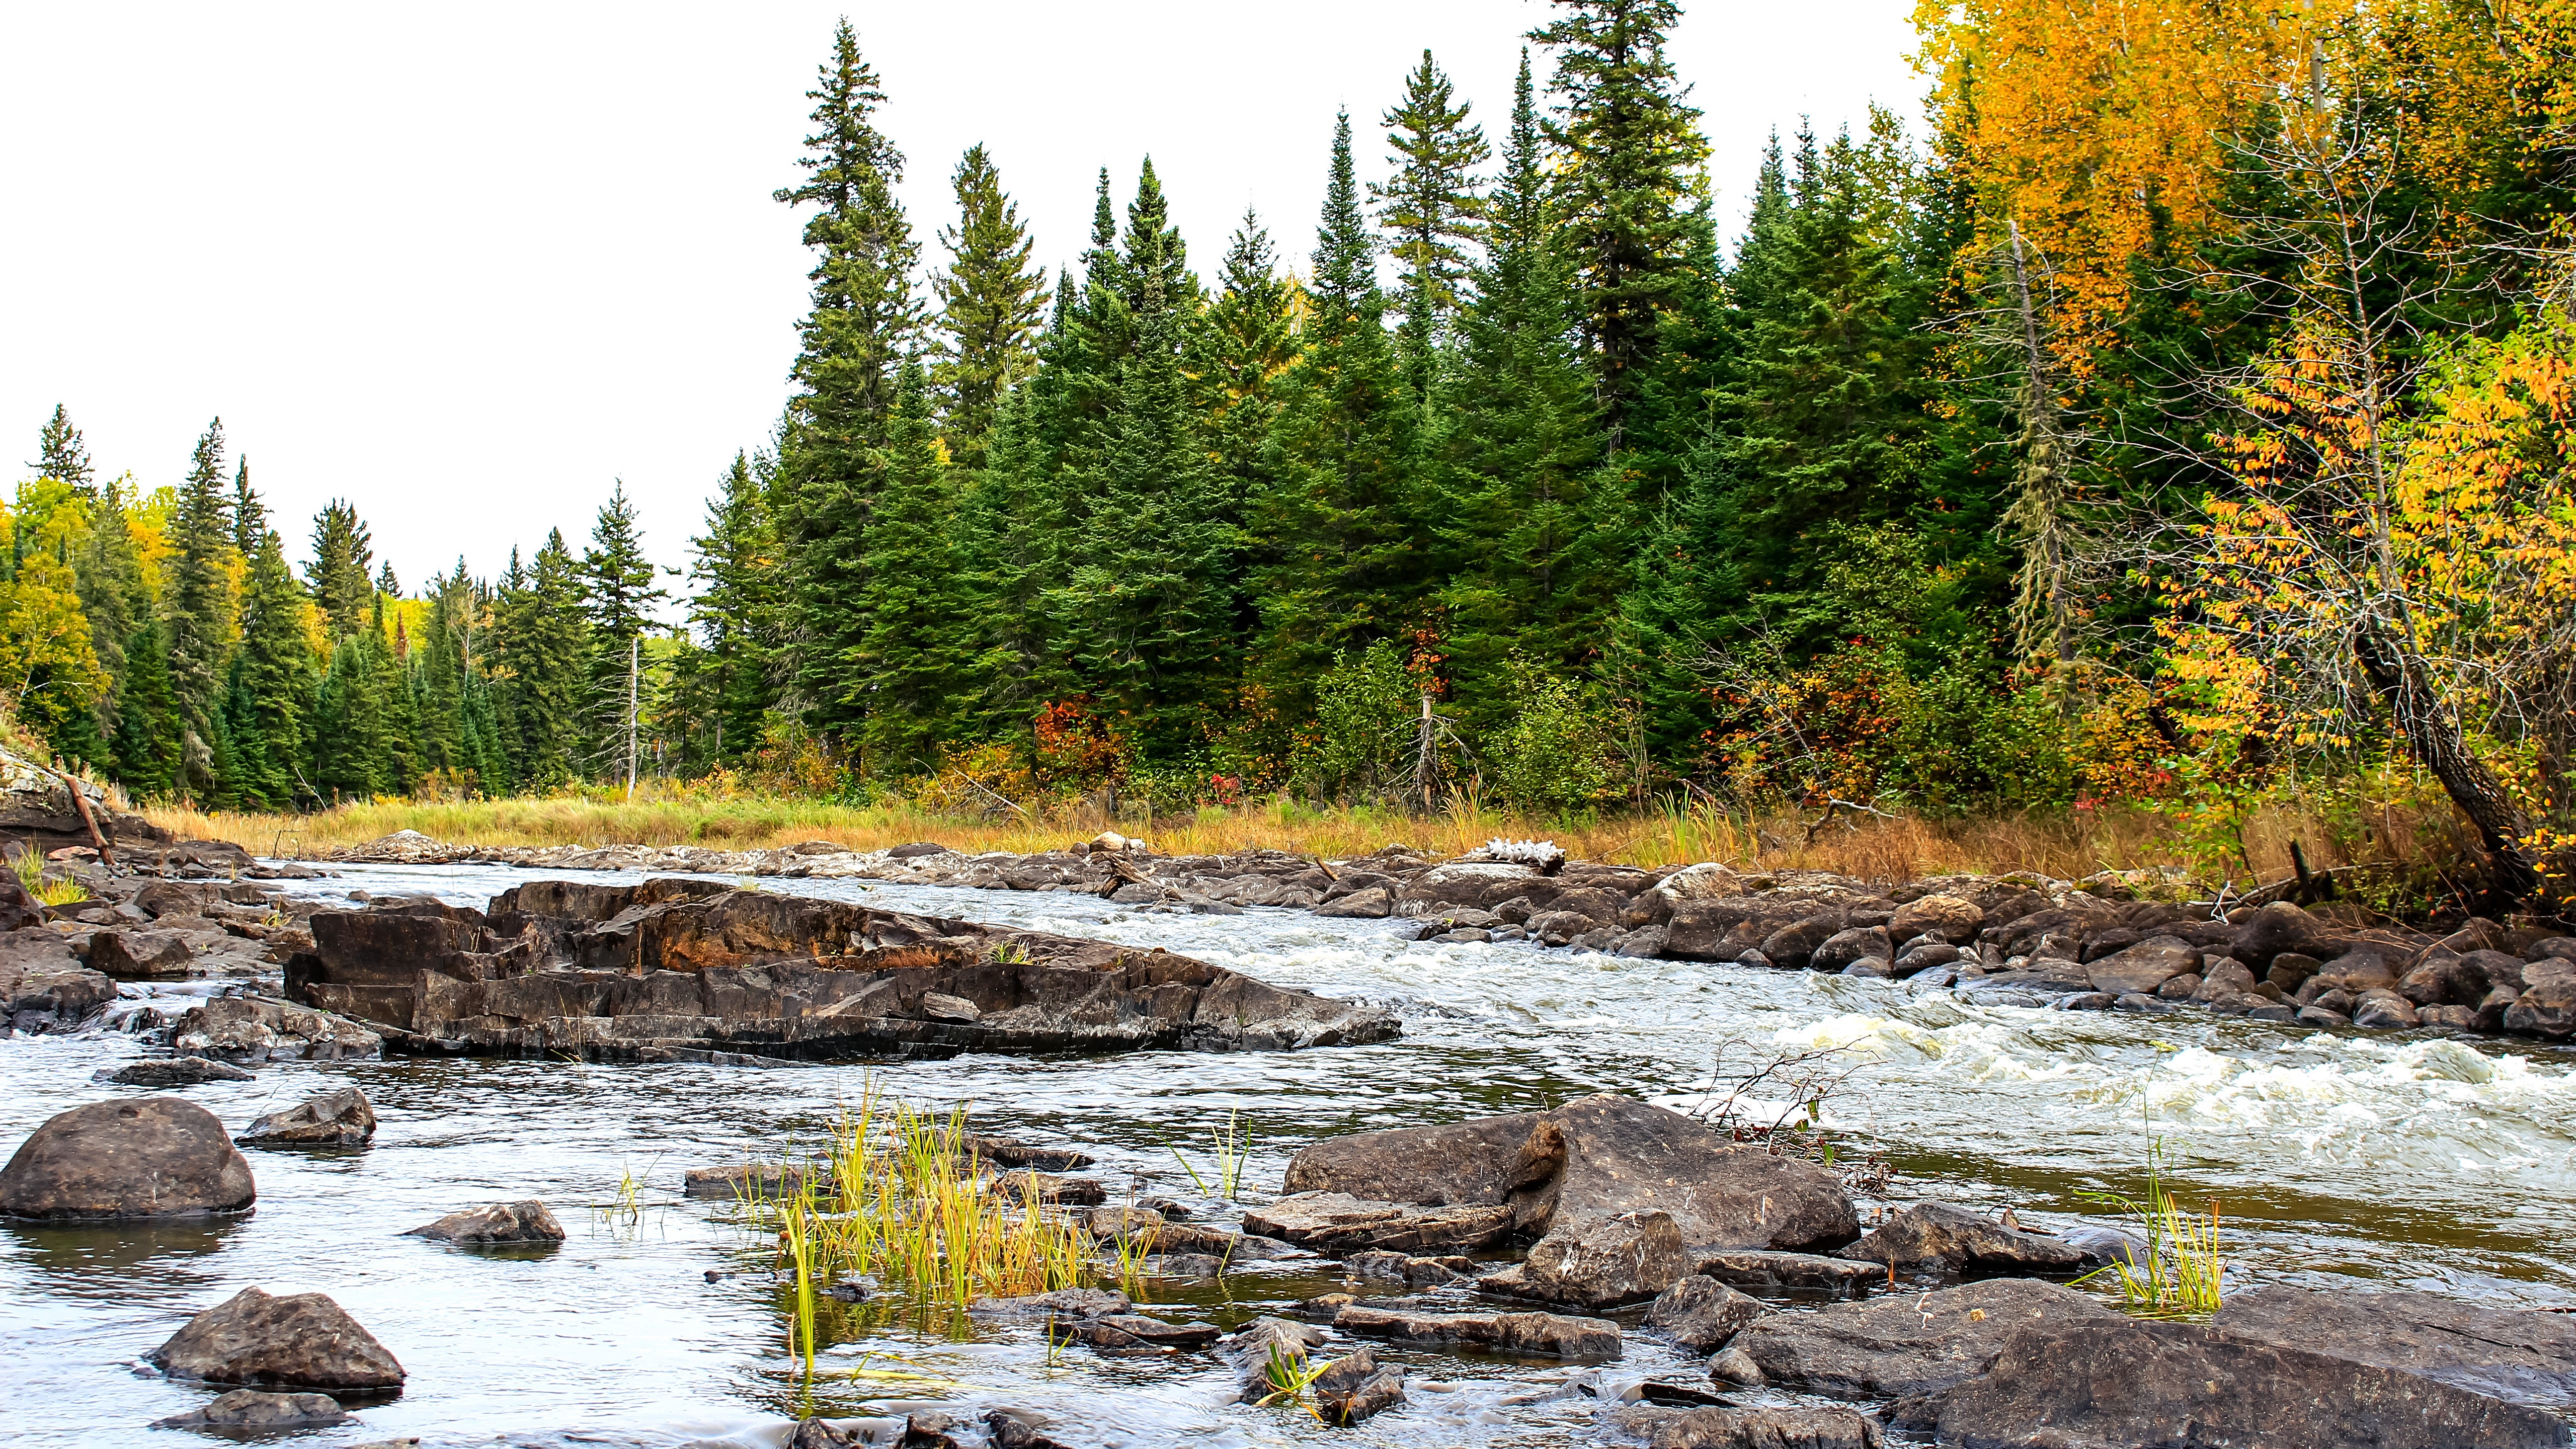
{"x": 94, "y": 1257}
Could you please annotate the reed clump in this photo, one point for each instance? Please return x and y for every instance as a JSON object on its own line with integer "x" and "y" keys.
{"x": 2181, "y": 1270}
{"x": 56, "y": 891}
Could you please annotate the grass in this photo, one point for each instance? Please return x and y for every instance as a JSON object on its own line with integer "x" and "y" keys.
{"x": 30, "y": 867}
{"x": 2185, "y": 1267}
{"x": 1225, "y": 1175}
{"x": 1289, "y": 1377}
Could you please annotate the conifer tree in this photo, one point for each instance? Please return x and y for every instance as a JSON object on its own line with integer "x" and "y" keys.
{"x": 342, "y": 553}
{"x": 200, "y": 606}
{"x": 1631, "y": 145}
{"x": 618, "y": 594}
{"x": 61, "y": 454}
{"x": 1238, "y": 357}
{"x": 736, "y": 608}
{"x": 273, "y": 678}
{"x": 148, "y": 728}
{"x": 108, "y": 573}
{"x": 250, "y": 516}
{"x": 543, "y": 653}
{"x": 909, "y": 668}
{"x": 349, "y": 733}
{"x": 1431, "y": 209}
{"x": 991, "y": 302}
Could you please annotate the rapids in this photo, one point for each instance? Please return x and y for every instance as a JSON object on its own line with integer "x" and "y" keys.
{"x": 2394, "y": 1158}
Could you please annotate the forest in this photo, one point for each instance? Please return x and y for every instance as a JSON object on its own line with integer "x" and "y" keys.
{"x": 2176, "y": 417}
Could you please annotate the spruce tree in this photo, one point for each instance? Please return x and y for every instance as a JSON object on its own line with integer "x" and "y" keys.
{"x": 148, "y": 729}
{"x": 543, "y": 654}
{"x": 62, "y": 455}
{"x": 108, "y": 573}
{"x": 992, "y": 300}
{"x": 200, "y": 605}
{"x": 736, "y": 609}
{"x": 273, "y": 675}
{"x": 618, "y": 595}
{"x": 342, "y": 553}
{"x": 1631, "y": 145}
{"x": 1430, "y": 209}
{"x": 909, "y": 668}
{"x": 250, "y": 516}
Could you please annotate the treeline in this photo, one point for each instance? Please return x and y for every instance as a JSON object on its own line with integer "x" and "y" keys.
{"x": 2127, "y": 438}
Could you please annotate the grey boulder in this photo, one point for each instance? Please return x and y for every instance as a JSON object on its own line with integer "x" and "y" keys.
{"x": 1701, "y": 1314}
{"x": 1942, "y": 1238}
{"x": 1599, "y": 1260}
{"x": 249, "y": 1410}
{"x": 1336, "y": 1222}
{"x": 344, "y": 1118}
{"x": 150, "y": 1157}
{"x": 299, "y": 1340}
{"x": 2518, "y": 1356}
{"x": 526, "y": 1221}
{"x": 174, "y": 1072}
{"x": 1767, "y": 1428}
{"x": 1612, "y": 1154}
{"x": 1908, "y": 1343}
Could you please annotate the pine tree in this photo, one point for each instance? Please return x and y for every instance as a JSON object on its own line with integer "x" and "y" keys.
{"x": 543, "y": 653}
{"x": 200, "y": 605}
{"x": 338, "y": 572}
{"x": 62, "y": 455}
{"x": 273, "y": 678}
{"x": 991, "y": 302}
{"x": 736, "y": 608}
{"x": 909, "y": 668}
{"x": 618, "y": 595}
{"x": 148, "y": 729}
{"x": 1431, "y": 208}
{"x": 349, "y": 718}
{"x": 1631, "y": 145}
{"x": 1238, "y": 357}
{"x": 250, "y": 516}
{"x": 113, "y": 596}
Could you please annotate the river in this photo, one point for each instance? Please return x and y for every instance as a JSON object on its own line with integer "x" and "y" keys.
{"x": 2395, "y": 1159}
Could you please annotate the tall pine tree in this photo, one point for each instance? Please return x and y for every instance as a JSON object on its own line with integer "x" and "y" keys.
{"x": 992, "y": 300}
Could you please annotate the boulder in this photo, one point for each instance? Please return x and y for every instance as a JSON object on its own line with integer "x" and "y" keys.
{"x": 751, "y": 1181}
{"x": 1063, "y": 1302}
{"x": 1755, "y": 1268}
{"x": 1004, "y": 1152}
{"x": 1767, "y": 1428}
{"x": 1612, "y": 1154}
{"x": 344, "y": 1118}
{"x": 525, "y": 1221}
{"x": 1793, "y": 947}
{"x": 2383, "y": 1010}
{"x": 149, "y": 1157}
{"x": 1457, "y": 1162}
{"x": 43, "y": 988}
{"x": 1353, "y": 1387}
{"x": 1952, "y": 918}
{"x": 2144, "y": 966}
{"x": 1336, "y": 1222}
{"x": 1370, "y": 904}
{"x": 1256, "y": 1346}
{"x": 1944, "y": 1239}
{"x": 248, "y": 1411}
{"x": 140, "y": 955}
{"x": 2518, "y": 1356}
{"x": 1130, "y": 1332}
{"x": 1599, "y": 1260}
{"x": 175, "y": 1072}
{"x": 2547, "y": 1009}
{"x": 1862, "y": 950}
{"x": 1407, "y": 1269}
{"x": 1701, "y": 1314}
{"x": 2118, "y": 1382}
{"x": 1911, "y": 1343}
{"x": 1723, "y": 928}
{"x": 1536, "y": 1335}
{"x": 249, "y": 1030}
{"x": 2281, "y": 927}
{"x": 300, "y": 1340}
{"x": 1019, "y": 1184}
{"x": 1559, "y": 928}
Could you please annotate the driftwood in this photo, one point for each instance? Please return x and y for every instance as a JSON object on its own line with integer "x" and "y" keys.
{"x": 1836, "y": 806}
{"x": 80, "y": 803}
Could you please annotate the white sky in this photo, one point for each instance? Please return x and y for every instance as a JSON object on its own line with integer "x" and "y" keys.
{"x": 466, "y": 264}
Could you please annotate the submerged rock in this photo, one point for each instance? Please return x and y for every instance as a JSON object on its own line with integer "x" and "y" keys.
{"x": 1757, "y": 1268}
{"x": 1943, "y": 1238}
{"x": 1539, "y": 1335}
{"x": 151, "y": 1157}
{"x": 1702, "y": 1314}
{"x": 1598, "y": 1260}
{"x": 2116, "y": 1381}
{"x": 253, "y": 1411}
{"x": 2518, "y": 1356}
{"x": 1256, "y": 1347}
{"x": 173, "y": 1072}
{"x": 1407, "y": 1269}
{"x": 300, "y": 1340}
{"x": 1065, "y": 1302}
{"x": 1129, "y": 1331}
{"x": 1770, "y": 1428}
{"x": 344, "y": 1118}
{"x": 525, "y": 1221}
{"x": 764, "y": 1181}
{"x": 1336, "y": 1222}
{"x": 1353, "y": 1387}
{"x": 1913, "y": 1343}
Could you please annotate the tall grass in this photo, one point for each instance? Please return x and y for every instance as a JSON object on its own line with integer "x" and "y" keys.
{"x": 30, "y": 867}
{"x": 2181, "y": 1271}
{"x": 1224, "y": 1177}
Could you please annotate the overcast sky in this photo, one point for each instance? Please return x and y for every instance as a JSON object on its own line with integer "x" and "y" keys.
{"x": 467, "y": 264}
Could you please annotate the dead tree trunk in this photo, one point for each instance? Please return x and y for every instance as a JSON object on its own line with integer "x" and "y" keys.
{"x": 2432, "y": 730}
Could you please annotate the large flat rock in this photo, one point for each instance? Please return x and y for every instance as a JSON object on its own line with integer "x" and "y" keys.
{"x": 1336, "y": 1222}
{"x": 1452, "y": 1163}
{"x": 1614, "y": 1154}
{"x": 1908, "y": 1343}
{"x": 620, "y": 971}
{"x": 2520, "y": 1357}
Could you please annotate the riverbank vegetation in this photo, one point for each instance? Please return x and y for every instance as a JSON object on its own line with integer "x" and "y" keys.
{"x": 2158, "y": 456}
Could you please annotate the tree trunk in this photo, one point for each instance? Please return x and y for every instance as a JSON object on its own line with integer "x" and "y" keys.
{"x": 2432, "y": 732}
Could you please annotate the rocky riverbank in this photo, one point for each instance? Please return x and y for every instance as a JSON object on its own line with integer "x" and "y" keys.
{"x": 2122, "y": 941}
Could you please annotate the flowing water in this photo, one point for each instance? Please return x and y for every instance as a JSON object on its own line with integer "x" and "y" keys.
{"x": 2393, "y": 1159}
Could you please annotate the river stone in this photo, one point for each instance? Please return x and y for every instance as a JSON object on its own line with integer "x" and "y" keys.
{"x": 1537, "y": 1335}
{"x": 525, "y": 1221}
{"x": 1951, "y": 918}
{"x": 1117, "y": 1332}
{"x": 139, "y": 955}
{"x": 1758, "y": 1268}
{"x": 1336, "y": 1222}
{"x": 2383, "y": 1010}
{"x": 753, "y": 1181}
{"x": 1369, "y": 904}
{"x": 1257, "y": 1344}
{"x": 1612, "y": 1154}
{"x": 1723, "y": 928}
{"x": 2518, "y": 1356}
{"x": 2114, "y": 1381}
{"x": 2281, "y": 927}
{"x": 1946, "y": 1239}
{"x": 1766, "y": 1428}
{"x": 249, "y": 1030}
{"x": 1598, "y": 1260}
{"x": 2144, "y": 966}
{"x": 1063, "y": 1302}
{"x": 1466, "y": 1162}
{"x": 1003, "y": 1152}
{"x": 1914, "y": 1343}
{"x": 1018, "y": 1184}
{"x": 2547, "y": 1009}
{"x": 1404, "y": 1268}
{"x": 1793, "y": 947}
{"x": 249, "y": 1410}
{"x": 42, "y": 988}
{"x": 1559, "y": 928}
{"x": 150, "y": 1157}
{"x": 344, "y": 1118}
{"x": 300, "y": 1340}
{"x": 1862, "y": 950}
{"x": 1700, "y": 1313}
{"x": 175, "y": 1072}
{"x": 1354, "y": 1387}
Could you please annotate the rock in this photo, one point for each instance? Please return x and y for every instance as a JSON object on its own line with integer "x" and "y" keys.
{"x": 1003, "y": 1152}
{"x": 1464, "y": 1163}
{"x": 763, "y": 1181}
{"x": 175, "y": 1072}
{"x": 1538, "y": 1335}
{"x": 2118, "y": 1382}
{"x": 1754, "y": 1268}
{"x": 1644, "y": 943}
{"x": 1132, "y": 1331}
{"x": 2547, "y": 1009}
{"x": 1945, "y": 1239}
{"x": 1769, "y": 1428}
{"x": 1952, "y": 918}
{"x": 2319, "y": 1016}
{"x": 1353, "y": 1387}
{"x": 42, "y": 988}
{"x": 1722, "y": 928}
{"x": 1412, "y": 1271}
{"x": 1257, "y": 1345}
{"x": 150, "y": 1157}
{"x": 1021, "y": 1183}
{"x": 1063, "y": 1302}
{"x": 1370, "y": 904}
{"x": 2383, "y": 1009}
{"x": 343, "y": 1118}
{"x": 939, "y": 1006}
{"x": 1735, "y": 1366}
{"x": 525, "y": 1221}
{"x": 253, "y": 1411}
{"x": 1612, "y": 1154}
{"x": 249, "y": 1030}
{"x": 300, "y": 1340}
{"x": 140, "y": 955}
{"x": 1701, "y": 1314}
{"x": 2518, "y": 1356}
{"x": 2277, "y": 928}
{"x": 2144, "y": 966}
{"x": 1912, "y": 1343}
{"x": 1862, "y": 950}
{"x": 1599, "y": 1260}
{"x": 1336, "y": 1222}
{"x": 1559, "y": 928}
{"x": 1793, "y": 947}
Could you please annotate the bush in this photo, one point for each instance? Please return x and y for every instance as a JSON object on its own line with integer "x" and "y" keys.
{"x": 1365, "y": 717}
{"x": 1559, "y": 751}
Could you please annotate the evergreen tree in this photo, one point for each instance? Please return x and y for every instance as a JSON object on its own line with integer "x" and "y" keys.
{"x": 200, "y": 606}
{"x": 543, "y": 653}
{"x": 108, "y": 573}
{"x": 338, "y": 572}
{"x": 148, "y": 729}
{"x": 250, "y": 516}
{"x": 62, "y": 455}
{"x": 736, "y": 609}
{"x": 1431, "y": 208}
{"x": 992, "y": 300}
{"x": 273, "y": 680}
{"x": 618, "y": 594}
{"x": 910, "y": 662}
{"x": 1631, "y": 146}
{"x": 349, "y": 719}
